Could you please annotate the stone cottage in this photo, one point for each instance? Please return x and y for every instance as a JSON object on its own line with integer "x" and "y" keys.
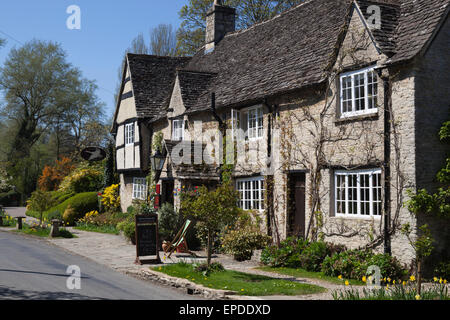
{"x": 332, "y": 109}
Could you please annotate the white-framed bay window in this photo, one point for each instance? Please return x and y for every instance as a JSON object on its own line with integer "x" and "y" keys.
{"x": 129, "y": 133}
{"x": 358, "y": 92}
{"x": 177, "y": 129}
{"x": 251, "y": 193}
{"x": 358, "y": 193}
{"x": 139, "y": 188}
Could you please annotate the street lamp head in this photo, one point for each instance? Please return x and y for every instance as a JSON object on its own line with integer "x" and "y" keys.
{"x": 157, "y": 161}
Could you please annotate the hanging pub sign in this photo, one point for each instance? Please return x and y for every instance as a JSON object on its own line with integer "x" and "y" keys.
{"x": 93, "y": 154}
{"x": 146, "y": 237}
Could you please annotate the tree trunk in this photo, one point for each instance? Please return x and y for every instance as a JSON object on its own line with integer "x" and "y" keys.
{"x": 419, "y": 277}
{"x": 209, "y": 248}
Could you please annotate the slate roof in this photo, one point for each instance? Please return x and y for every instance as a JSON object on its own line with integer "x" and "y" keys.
{"x": 288, "y": 52}
{"x": 418, "y": 21}
{"x": 390, "y": 12}
{"x": 193, "y": 85}
{"x": 152, "y": 77}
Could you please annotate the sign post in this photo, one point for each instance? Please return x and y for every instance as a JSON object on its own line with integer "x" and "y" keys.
{"x": 146, "y": 237}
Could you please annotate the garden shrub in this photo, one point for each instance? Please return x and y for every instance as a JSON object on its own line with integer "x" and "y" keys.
{"x": 389, "y": 266}
{"x": 129, "y": 229}
{"x": 287, "y": 255}
{"x": 83, "y": 180}
{"x": 214, "y": 267}
{"x": 243, "y": 238}
{"x": 170, "y": 222}
{"x": 69, "y": 216}
{"x": 312, "y": 256}
{"x": 111, "y": 198}
{"x": 443, "y": 270}
{"x": 353, "y": 264}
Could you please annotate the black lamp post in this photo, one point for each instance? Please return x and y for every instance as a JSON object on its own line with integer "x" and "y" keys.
{"x": 157, "y": 163}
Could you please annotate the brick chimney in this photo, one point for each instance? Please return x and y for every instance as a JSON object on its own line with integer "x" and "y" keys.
{"x": 220, "y": 19}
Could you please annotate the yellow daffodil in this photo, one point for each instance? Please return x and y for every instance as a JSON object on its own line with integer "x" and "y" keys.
{"x": 404, "y": 283}
{"x": 389, "y": 280}
{"x": 417, "y": 297}
{"x": 364, "y": 279}
{"x": 440, "y": 280}
{"x": 346, "y": 282}
{"x": 340, "y": 277}
{"x": 393, "y": 282}
{"x": 435, "y": 279}
{"x": 412, "y": 278}
{"x": 445, "y": 281}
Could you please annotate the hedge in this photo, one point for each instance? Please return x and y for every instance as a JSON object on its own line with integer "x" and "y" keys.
{"x": 81, "y": 203}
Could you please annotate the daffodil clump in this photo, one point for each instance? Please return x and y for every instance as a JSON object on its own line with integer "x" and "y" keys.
{"x": 391, "y": 289}
{"x": 89, "y": 217}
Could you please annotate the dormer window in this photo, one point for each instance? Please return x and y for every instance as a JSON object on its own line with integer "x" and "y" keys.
{"x": 129, "y": 133}
{"x": 177, "y": 129}
{"x": 358, "y": 94}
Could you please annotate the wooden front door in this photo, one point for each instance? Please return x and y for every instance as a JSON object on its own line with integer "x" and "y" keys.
{"x": 297, "y": 205}
{"x": 167, "y": 191}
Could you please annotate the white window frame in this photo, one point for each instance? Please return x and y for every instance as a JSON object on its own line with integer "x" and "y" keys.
{"x": 256, "y": 132}
{"x": 374, "y": 99}
{"x": 247, "y": 192}
{"x": 129, "y": 133}
{"x": 346, "y": 186}
{"x": 139, "y": 188}
{"x": 177, "y": 132}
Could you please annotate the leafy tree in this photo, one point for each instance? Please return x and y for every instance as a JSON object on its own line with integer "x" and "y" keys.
{"x": 41, "y": 90}
{"x": 191, "y": 35}
{"x": 40, "y": 201}
{"x": 52, "y": 177}
{"x": 212, "y": 209}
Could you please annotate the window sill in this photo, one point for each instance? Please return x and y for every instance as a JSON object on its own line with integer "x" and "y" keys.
{"x": 357, "y": 117}
{"x": 357, "y": 217}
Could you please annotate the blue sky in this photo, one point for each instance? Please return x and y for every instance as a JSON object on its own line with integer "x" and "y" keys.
{"x": 107, "y": 29}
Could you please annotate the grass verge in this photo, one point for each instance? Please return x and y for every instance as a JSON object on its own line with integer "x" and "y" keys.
{"x": 110, "y": 229}
{"x": 44, "y": 232}
{"x": 301, "y": 273}
{"x": 241, "y": 283}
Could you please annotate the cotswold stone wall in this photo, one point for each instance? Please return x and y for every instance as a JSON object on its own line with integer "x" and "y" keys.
{"x": 433, "y": 109}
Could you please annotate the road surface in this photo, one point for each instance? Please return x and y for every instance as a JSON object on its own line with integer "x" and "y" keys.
{"x": 31, "y": 268}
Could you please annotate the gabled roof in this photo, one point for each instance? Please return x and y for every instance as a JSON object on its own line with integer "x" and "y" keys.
{"x": 418, "y": 22}
{"x": 193, "y": 85}
{"x": 151, "y": 77}
{"x": 279, "y": 55}
{"x": 286, "y": 53}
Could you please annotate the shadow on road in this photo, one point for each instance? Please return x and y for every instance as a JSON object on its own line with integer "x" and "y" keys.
{"x": 7, "y": 293}
{"x": 42, "y": 273}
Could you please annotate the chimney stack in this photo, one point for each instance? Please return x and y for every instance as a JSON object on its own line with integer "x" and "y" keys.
{"x": 220, "y": 20}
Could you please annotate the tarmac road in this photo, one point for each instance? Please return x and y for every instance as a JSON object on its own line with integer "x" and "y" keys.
{"x": 32, "y": 269}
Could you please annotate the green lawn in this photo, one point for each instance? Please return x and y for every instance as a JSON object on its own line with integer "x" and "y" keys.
{"x": 301, "y": 273}
{"x": 43, "y": 232}
{"x": 100, "y": 229}
{"x": 241, "y": 283}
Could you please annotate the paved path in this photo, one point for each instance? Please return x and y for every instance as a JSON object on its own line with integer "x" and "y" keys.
{"x": 114, "y": 251}
{"x": 32, "y": 268}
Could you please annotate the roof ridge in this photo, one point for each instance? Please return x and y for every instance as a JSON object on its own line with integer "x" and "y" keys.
{"x": 141, "y": 55}
{"x": 269, "y": 20}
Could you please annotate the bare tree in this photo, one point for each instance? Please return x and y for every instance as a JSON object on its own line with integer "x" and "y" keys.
{"x": 163, "y": 40}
